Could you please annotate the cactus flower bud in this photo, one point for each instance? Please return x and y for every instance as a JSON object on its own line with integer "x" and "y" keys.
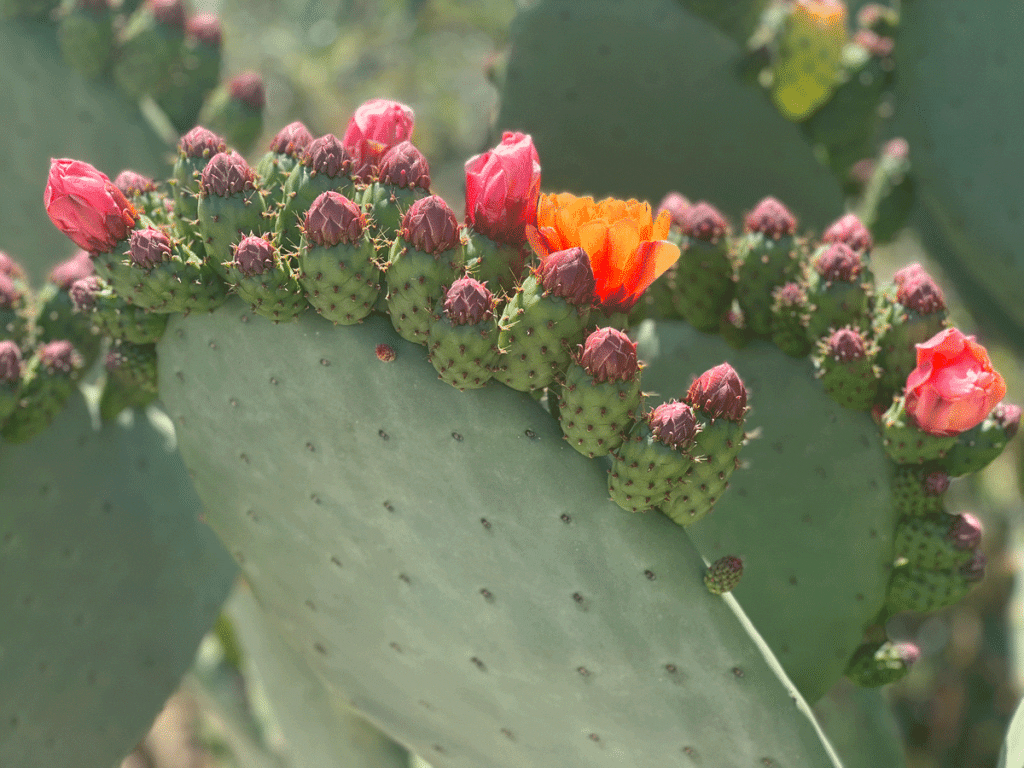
{"x": 333, "y": 219}
{"x": 851, "y": 231}
{"x": 910, "y": 272}
{"x": 1008, "y": 416}
{"x": 964, "y": 532}
{"x": 10, "y": 362}
{"x": 468, "y": 302}
{"x": 206, "y": 28}
{"x": 954, "y": 386}
{"x": 771, "y": 218}
{"x": 9, "y": 293}
{"x": 430, "y": 226}
{"x": 292, "y": 140}
{"x": 226, "y": 174}
{"x": 676, "y": 205}
{"x": 70, "y": 270}
{"x": 719, "y": 393}
{"x": 85, "y": 205}
{"x": 704, "y": 222}
{"x": 404, "y": 166}
{"x": 149, "y": 247}
{"x": 846, "y": 345}
{"x": 917, "y": 290}
{"x": 376, "y": 126}
{"x": 83, "y": 292}
{"x": 254, "y": 255}
{"x": 502, "y": 189}
{"x": 60, "y": 356}
{"x": 133, "y": 184}
{"x": 673, "y": 424}
{"x": 975, "y": 569}
{"x": 936, "y": 483}
{"x": 327, "y": 155}
{"x": 609, "y": 355}
{"x": 201, "y": 143}
{"x": 10, "y": 267}
{"x": 790, "y": 295}
{"x": 248, "y": 88}
{"x": 568, "y": 274}
{"x": 723, "y": 575}
{"x": 839, "y": 263}
{"x": 385, "y": 353}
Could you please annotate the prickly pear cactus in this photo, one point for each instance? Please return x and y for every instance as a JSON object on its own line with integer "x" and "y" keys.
{"x": 107, "y": 583}
{"x": 422, "y": 550}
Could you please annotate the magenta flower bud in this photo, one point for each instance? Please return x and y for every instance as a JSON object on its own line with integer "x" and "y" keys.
{"x": 328, "y": 156}
{"x": 897, "y": 149}
{"x": 723, "y": 575}
{"x": 292, "y": 140}
{"x": 200, "y": 143}
{"x": 964, "y": 531}
{"x": 254, "y": 256}
{"x": 430, "y": 226}
{"x": 10, "y": 267}
{"x": 248, "y": 88}
{"x": 789, "y": 295}
{"x": 9, "y": 293}
{"x": 673, "y": 424}
{"x": 850, "y": 231}
{"x": 936, "y": 483}
{"x": 1007, "y": 415}
{"x": 771, "y": 218}
{"x": 85, "y": 205}
{"x": 133, "y": 184}
{"x": 503, "y": 188}
{"x": 83, "y": 292}
{"x": 910, "y": 272}
{"x": 838, "y": 264}
{"x": 917, "y": 290}
{"x": 704, "y": 222}
{"x": 226, "y": 174}
{"x": 719, "y": 393}
{"x": 333, "y": 219}
{"x": 676, "y": 205}
{"x": 609, "y": 355}
{"x": 171, "y": 13}
{"x": 149, "y": 247}
{"x": 376, "y": 126}
{"x": 846, "y": 345}
{"x": 404, "y": 166}
{"x": 568, "y": 274}
{"x": 60, "y": 357}
{"x": 468, "y": 302}
{"x": 908, "y": 653}
{"x": 10, "y": 362}
{"x": 975, "y": 569}
{"x": 206, "y": 29}
{"x": 70, "y": 270}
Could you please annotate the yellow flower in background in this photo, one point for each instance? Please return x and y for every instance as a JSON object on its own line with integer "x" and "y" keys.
{"x": 810, "y": 57}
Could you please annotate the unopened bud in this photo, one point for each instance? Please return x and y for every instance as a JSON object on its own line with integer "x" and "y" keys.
{"x": 430, "y": 226}
{"x": 468, "y": 302}
{"x": 254, "y": 256}
{"x": 673, "y": 424}
{"x": 149, "y": 247}
{"x": 568, "y": 274}
{"x": 851, "y": 231}
{"x": 292, "y": 140}
{"x": 772, "y": 219}
{"x": 201, "y": 143}
{"x": 226, "y": 174}
{"x": 609, "y": 355}
{"x": 333, "y": 219}
{"x": 10, "y": 362}
{"x": 327, "y": 156}
{"x": 846, "y": 345}
{"x": 404, "y": 166}
{"x": 838, "y": 264}
{"x": 703, "y": 221}
{"x": 719, "y": 393}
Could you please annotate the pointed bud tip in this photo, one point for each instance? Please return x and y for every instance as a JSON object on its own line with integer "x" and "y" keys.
{"x": 468, "y": 302}
{"x": 917, "y": 290}
{"x": 846, "y": 345}
{"x": 405, "y": 166}
{"x": 839, "y": 263}
{"x": 254, "y": 256}
{"x": 771, "y": 218}
{"x": 719, "y": 393}
{"x": 965, "y": 531}
{"x": 200, "y": 143}
{"x": 703, "y": 221}
{"x": 10, "y": 362}
{"x": 248, "y": 88}
{"x": 292, "y": 140}
{"x": 609, "y": 355}
{"x": 724, "y": 574}
{"x": 226, "y": 174}
{"x": 333, "y": 219}
{"x": 430, "y": 226}
{"x": 60, "y": 357}
{"x": 851, "y": 231}
{"x": 149, "y": 247}
{"x": 676, "y": 205}
{"x": 673, "y": 424}
{"x": 326, "y": 155}
{"x": 568, "y": 274}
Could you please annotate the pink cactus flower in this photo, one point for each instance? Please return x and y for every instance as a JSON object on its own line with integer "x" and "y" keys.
{"x": 954, "y": 386}
{"x": 84, "y": 204}
{"x": 376, "y": 126}
{"x": 502, "y": 189}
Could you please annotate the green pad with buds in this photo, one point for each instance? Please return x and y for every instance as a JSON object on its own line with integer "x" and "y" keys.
{"x": 454, "y": 570}
{"x": 809, "y": 511}
{"x": 107, "y": 583}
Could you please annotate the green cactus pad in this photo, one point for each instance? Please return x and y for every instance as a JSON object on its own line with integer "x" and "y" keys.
{"x": 809, "y": 511}
{"x": 878, "y": 664}
{"x": 704, "y": 284}
{"x": 301, "y": 188}
{"x": 851, "y": 383}
{"x": 463, "y": 355}
{"x": 57, "y": 318}
{"x": 423, "y": 552}
{"x": 223, "y": 221}
{"x": 644, "y": 471}
{"x": 860, "y": 724}
{"x": 239, "y": 123}
{"x": 147, "y": 53}
{"x": 416, "y": 281}
{"x": 131, "y": 378}
{"x": 342, "y": 281}
{"x": 86, "y": 39}
{"x": 917, "y": 589}
{"x": 274, "y": 294}
{"x": 42, "y": 394}
{"x": 898, "y": 330}
{"x": 911, "y": 493}
{"x": 765, "y": 264}
{"x": 498, "y": 265}
{"x": 718, "y": 445}
{"x": 906, "y": 443}
{"x": 107, "y": 583}
{"x": 385, "y": 205}
{"x": 924, "y": 542}
{"x": 596, "y": 416}
{"x": 118, "y": 319}
{"x": 976, "y": 448}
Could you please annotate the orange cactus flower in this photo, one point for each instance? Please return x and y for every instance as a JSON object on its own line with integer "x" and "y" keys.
{"x": 626, "y": 244}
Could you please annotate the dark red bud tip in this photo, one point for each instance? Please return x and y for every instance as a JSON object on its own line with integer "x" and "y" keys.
{"x": 917, "y": 290}
{"x": 772, "y": 219}
{"x": 719, "y": 393}
{"x": 908, "y": 653}
{"x": 609, "y": 355}
{"x": 9, "y": 293}
{"x": 851, "y": 231}
{"x": 226, "y": 174}
{"x": 149, "y": 247}
{"x": 724, "y": 574}
{"x": 292, "y": 140}
{"x": 1007, "y": 415}
{"x": 964, "y": 532}
{"x": 846, "y": 345}
{"x": 789, "y": 295}
{"x": 936, "y": 483}
{"x": 385, "y": 353}
{"x": 169, "y": 12}
{"x": 468, "y": 302}
{"x": 67, "y": 272}
{"x": 333, "y": 219}
{"x": 838, "y": 264}
{"x": 673, "y": 424}
{"x": 404, "y": 166}
{"x": 254, "y": 256}
{"x": 430, "y": 226}
{"x": 60, "y": 357}
{"x": 248, "y": 89}
{"x": 327, "y": 155}
{"x": 676, "y": 205}
{"x": 568, "y": 274}
{"x": 704, "y": 222}
{"x": 83, "y": 292}
{"x": 133, "y": 184}
{"x": 206, "y": 28}
{"x": 897, "y": 149}
{"x": 10, "y": 362}
{"x": 10, "y": 267}
{"x": 975, "y": 569}
{"x": 201, "y": 143}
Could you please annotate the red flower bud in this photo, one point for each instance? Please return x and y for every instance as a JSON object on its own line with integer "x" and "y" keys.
{"x": 975, "y": 569}
{"x": 83, "y": 292}
{"x": 326, "y": 155}
{"x": 292, "y": 140}
{"x": 846, "y": 345}
{"x": 9, "y": 293}
{"x": 430, "y": 226}
{"x": 609, "y": 355}
{"x": 789, "y": 295}
{"x": 719, "y": 393}
{"x": 468, "y": 302}
{"x": 404, "y": 166}
{"x": 376, "y": 126}
{"x": 226, "y": 174}
{"x": 333, "y": 219}
{"x": 568, "y": 274}
{"x": 954, "y": 386}
{"x": 254, "y": 256}
{"x": 771, "y": 218}
{"x": 673, "y": 424}
{"x": 10, "y": 267}
{"x": 133, "y": 184}
{"x": 10, "y": 362}
{"x": 201, "y": 143}
{"x": 248, "y": 89}
{"x": 149, "y": 247}
{"x": 851, "y": 231}
{"x": 936, "y": 483}
{"x": 838, "y": 264}
{"x": 60, "y": 356}
{"x": 1008, "y": 417}
{"x": 704, "y": 222}
{"x": 676, "y": 205}
{"x": 502, "y": 189}
{"x": 917, "y": 290}
{"x": 85, "y": 205}
{"x": 206, "y": 28}
{"x": 75, "y": 268}
{"x": 964, "y": 531}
